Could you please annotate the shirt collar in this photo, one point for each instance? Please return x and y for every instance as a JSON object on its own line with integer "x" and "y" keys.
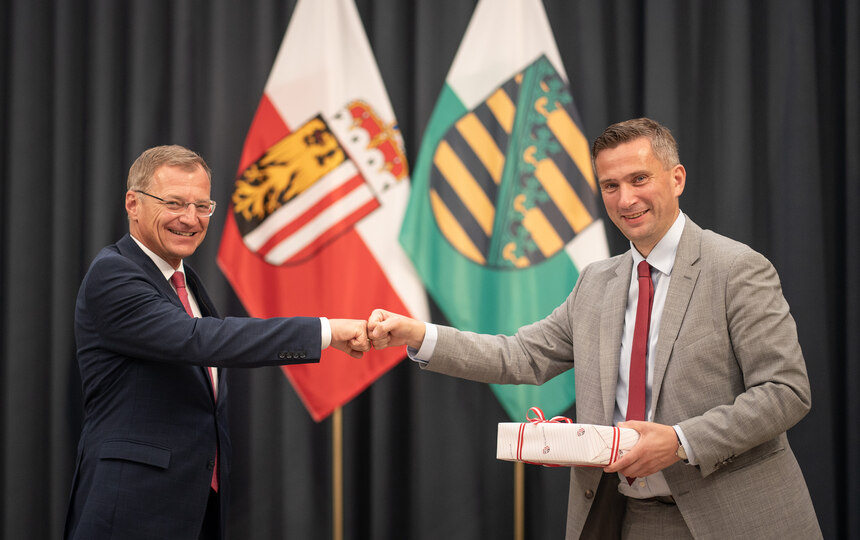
{"x": 662, "y": 257}
{"x": 162, "y": 265}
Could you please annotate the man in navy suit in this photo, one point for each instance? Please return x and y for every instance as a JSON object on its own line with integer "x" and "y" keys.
{"x": 154, "y": 454}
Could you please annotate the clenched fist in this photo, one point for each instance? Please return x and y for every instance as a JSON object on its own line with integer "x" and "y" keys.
{"x": 349, "y": 336}
{"x": 387, "y": 329}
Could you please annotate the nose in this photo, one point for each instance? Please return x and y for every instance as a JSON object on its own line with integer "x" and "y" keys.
{"x": 189, "y": 213}
{"x": 626, "y": 195}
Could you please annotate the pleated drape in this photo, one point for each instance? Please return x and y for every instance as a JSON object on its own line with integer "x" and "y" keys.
{"x": 763, "y": 97}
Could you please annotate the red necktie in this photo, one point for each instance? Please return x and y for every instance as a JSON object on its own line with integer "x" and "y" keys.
{"x": 639, "y": 353}
{"x": 178, "y": 281}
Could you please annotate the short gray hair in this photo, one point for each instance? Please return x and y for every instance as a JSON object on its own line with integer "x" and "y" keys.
{"x": 143, "y": 169}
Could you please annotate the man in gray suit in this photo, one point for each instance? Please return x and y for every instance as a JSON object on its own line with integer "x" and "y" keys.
{"x": 725, "y": 373}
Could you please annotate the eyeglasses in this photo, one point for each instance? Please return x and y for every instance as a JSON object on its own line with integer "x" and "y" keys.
{"x": 201, "y": 208}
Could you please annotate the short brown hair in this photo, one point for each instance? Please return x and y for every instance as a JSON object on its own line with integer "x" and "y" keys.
{"x": 143, "y": 169}
{"x": 662, "y": 143}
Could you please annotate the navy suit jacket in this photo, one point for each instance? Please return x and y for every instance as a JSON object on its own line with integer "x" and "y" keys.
{"x": 152, "y": 425}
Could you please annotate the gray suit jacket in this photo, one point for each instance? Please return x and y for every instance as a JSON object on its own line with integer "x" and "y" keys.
{"x": 728, "y": 369}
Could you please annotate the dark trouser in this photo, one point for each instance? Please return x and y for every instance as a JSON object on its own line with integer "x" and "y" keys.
{"x": 630, "y": 519}
{"x": 605, "y": 525}
{"x": 653, "y": 518}
{"x": 211, "y": 529}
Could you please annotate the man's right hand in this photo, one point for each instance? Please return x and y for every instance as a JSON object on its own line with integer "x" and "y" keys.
{"x": 349, "y": 336}
{"x": 386, "y": 329}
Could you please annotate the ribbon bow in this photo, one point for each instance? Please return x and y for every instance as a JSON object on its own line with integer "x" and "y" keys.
{"x": 541, "y": 418}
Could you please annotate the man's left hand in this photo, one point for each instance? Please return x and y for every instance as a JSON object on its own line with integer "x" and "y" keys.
{"x": 654, "y": 452}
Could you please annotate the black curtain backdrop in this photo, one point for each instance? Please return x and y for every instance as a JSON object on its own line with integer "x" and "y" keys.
{"x": 763, "y": 97}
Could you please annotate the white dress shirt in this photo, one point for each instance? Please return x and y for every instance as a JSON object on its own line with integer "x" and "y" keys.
{"x": 662, "y": 260}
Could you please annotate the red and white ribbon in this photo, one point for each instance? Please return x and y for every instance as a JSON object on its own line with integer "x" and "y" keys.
{"x": 541, "y": 418}
{"x": 616, "y": 443}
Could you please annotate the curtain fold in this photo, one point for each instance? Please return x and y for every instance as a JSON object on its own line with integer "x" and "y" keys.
{"x": 762, "y": 97}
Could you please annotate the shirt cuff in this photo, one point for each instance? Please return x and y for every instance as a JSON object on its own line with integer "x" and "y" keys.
{"x": 423, "y": 355}
{"x": 325, "y": 331}
{"x": 691, "y": 457}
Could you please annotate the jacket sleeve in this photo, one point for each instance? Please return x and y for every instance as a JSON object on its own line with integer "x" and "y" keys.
{"x": 775, "y": 391}
{"x": 133, "y": 317}
{"x": 535, "y": 354}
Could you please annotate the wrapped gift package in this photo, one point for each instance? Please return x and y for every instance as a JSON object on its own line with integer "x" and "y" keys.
{"x": 559, "y": 441}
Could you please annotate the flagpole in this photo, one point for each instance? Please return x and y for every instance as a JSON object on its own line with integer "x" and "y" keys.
{"x": 519, "y": 500}
{"x": 337, "y": 473}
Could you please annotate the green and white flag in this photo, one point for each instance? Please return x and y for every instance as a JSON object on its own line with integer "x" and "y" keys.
{"x": 503, "y": 209}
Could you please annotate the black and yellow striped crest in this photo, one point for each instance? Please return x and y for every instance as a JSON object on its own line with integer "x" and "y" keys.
{"x": 511, "y": 182}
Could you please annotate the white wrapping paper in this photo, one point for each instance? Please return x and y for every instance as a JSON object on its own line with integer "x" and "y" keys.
{"x": 559, "y": 442}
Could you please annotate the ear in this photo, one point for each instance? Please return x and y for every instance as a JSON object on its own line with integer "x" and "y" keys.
{"x": 679, "y": 179}
{"x": 132, "y": 204}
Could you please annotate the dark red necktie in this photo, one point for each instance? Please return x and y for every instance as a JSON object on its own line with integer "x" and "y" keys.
{"x": 178, "y": 281}
{"x": 639, "y": 352}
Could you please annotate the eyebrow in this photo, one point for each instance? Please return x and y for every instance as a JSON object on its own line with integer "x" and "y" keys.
{"x": 179, "y": 199}
{"x": 640, "y": 172}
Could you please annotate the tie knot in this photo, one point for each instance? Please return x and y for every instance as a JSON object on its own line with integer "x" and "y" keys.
{"x": 644, "y": 269}
{"x": 178, "y": 280}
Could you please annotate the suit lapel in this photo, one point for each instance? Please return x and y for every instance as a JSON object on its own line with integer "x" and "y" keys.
{"x": 685, "y": 272}
{"x": 129, "y": 248}
{"x": 611, "y": 327}
{"x": 206, "y": 310}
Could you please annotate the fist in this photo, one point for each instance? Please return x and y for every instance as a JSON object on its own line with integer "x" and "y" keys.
{"x": 386, "y": 329}
{"x": 350, "y": 336}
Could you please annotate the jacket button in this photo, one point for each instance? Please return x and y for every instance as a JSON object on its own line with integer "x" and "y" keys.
{"x": 589, "y": 494}
{"x": 302, "y": 355}
{"x": 282, "y": 355}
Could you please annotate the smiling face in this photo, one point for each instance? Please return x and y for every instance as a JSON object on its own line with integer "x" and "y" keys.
{"x": 639, "y": 192}
{"x": 170, "y": 236}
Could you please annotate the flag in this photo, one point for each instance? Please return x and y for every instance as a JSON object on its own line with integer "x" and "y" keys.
{"x": 321, "y": 189}
{"x": 503, "y": 211}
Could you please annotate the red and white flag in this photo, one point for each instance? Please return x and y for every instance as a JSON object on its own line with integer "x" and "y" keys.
{"x": 319, "y": 197}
